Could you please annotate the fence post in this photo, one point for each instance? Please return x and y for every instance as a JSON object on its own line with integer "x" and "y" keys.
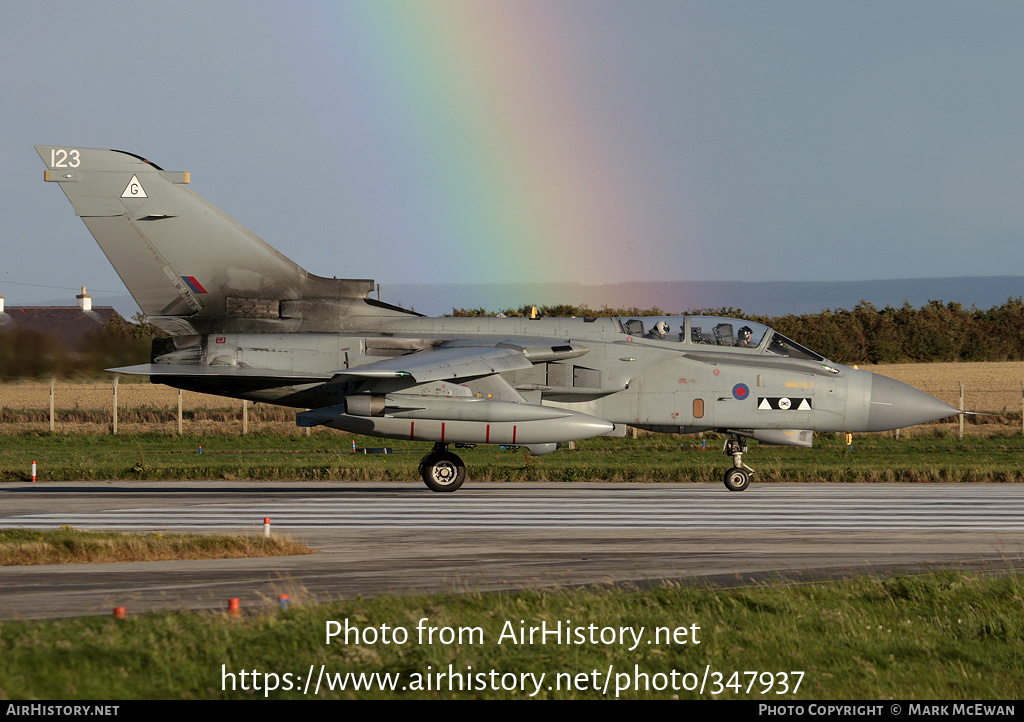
{"x": 961, "y": 411}
{"x": 245, "y": 416}
{"x": 179, "y": 412}
{"x": 114, "y": 427}
{"x": 52, "y": 382}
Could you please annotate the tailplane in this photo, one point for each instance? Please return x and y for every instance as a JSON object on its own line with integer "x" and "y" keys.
{"x": 187, "y": 263}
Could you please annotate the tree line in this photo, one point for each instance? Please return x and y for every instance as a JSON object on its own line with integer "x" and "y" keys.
{"x": 25, "y": 353}
{"x": 866, "y": 334}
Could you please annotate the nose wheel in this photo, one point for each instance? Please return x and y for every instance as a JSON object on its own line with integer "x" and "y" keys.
{"x": 442, "y": 470}
{"x": 738, "y": 477}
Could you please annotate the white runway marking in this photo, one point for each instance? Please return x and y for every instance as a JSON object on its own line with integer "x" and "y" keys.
{"x": 960, "y": 507}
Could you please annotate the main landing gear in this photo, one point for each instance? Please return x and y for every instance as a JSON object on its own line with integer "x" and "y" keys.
{"x": 738, "y": 477}
{"x": 442, "y": 470}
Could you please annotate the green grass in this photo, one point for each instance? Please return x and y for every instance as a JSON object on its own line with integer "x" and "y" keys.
{"x": 324, "y": 457}
{"x": 68, "y": 545}
{"x": 949, "y": 636}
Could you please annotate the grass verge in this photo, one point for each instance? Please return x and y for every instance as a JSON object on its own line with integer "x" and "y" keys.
{"x": 71, "y": 546}
{"x": 935, "y": 457}
{"x": 946, "y": 636}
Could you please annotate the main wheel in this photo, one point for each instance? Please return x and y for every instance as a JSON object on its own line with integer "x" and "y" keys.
{"x": 442, "y": 471}
{"x": 737, "y": 479}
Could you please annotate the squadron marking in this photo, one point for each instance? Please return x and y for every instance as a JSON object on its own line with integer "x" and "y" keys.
{"x": 134, "y": 189}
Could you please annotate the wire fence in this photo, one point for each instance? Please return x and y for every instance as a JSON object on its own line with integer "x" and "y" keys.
{"x": 128, "y": 408}
{"x": 66, "y": 407}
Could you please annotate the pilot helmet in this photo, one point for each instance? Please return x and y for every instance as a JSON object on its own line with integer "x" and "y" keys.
{"x": 745, "y": 333}
{"x": 661, "y": 327}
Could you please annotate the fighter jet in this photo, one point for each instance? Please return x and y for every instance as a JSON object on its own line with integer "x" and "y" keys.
{"x": 246, "y": 322}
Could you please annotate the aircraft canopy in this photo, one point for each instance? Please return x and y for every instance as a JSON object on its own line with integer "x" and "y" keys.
{"x": 715, "y": 331}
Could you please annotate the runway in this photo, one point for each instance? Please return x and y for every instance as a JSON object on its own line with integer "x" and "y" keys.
{"x": 398, "y": 538}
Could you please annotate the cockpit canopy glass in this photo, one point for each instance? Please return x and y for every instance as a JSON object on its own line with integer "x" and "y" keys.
{"x": 782, "y": 346}
{"x": 715, "y": 331}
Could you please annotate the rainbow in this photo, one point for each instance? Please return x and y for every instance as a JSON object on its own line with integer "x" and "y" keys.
{"x": 478, "y": 116}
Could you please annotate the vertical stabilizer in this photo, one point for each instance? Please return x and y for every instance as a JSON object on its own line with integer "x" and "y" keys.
{"x": 180, "y": 256}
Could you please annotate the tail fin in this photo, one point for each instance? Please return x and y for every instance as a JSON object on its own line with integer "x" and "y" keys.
{"x": 180, "y": 256}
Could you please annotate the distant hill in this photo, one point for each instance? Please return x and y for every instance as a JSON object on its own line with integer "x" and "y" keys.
{"x": 768, "y": 298}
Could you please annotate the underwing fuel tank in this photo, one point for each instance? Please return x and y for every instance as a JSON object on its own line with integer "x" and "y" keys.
{"x": 468, "y": 420}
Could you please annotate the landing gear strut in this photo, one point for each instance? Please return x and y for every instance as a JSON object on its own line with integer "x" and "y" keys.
{"x": 738, "y": 477}
{"x": 442, "y": 470}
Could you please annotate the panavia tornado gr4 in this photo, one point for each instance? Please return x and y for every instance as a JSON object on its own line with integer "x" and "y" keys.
{"x": 246, "y": 322}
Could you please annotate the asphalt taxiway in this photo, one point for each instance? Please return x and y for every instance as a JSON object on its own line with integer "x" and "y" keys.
{"x": 398, "y": 538}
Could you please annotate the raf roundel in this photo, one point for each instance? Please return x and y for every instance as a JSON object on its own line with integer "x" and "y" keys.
{"x": 740, "y": 391}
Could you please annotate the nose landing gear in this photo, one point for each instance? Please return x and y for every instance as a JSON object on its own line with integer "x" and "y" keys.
{"x": 738, "y": 477}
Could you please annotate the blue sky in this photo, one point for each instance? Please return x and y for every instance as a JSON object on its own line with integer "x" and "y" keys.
{"x": 651, "y": 140}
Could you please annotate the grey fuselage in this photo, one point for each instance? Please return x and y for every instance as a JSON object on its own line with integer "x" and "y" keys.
{"x": 664, "y": 385}
{"x": 247, "y": 322}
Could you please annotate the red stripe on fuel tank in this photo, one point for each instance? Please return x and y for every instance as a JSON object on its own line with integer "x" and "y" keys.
{"x": 442, "y": 432}
{"x": 487, "y": 439}
{"x": 412, "y": 431}
{"x": 513, "y": 434}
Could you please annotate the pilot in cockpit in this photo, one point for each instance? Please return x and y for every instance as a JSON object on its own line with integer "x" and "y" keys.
{"x": 743, "y": 336}
{"x": 659, "y": 330}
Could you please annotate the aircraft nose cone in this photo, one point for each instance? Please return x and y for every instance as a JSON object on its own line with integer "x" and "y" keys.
{"x": 895, "y": 405}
